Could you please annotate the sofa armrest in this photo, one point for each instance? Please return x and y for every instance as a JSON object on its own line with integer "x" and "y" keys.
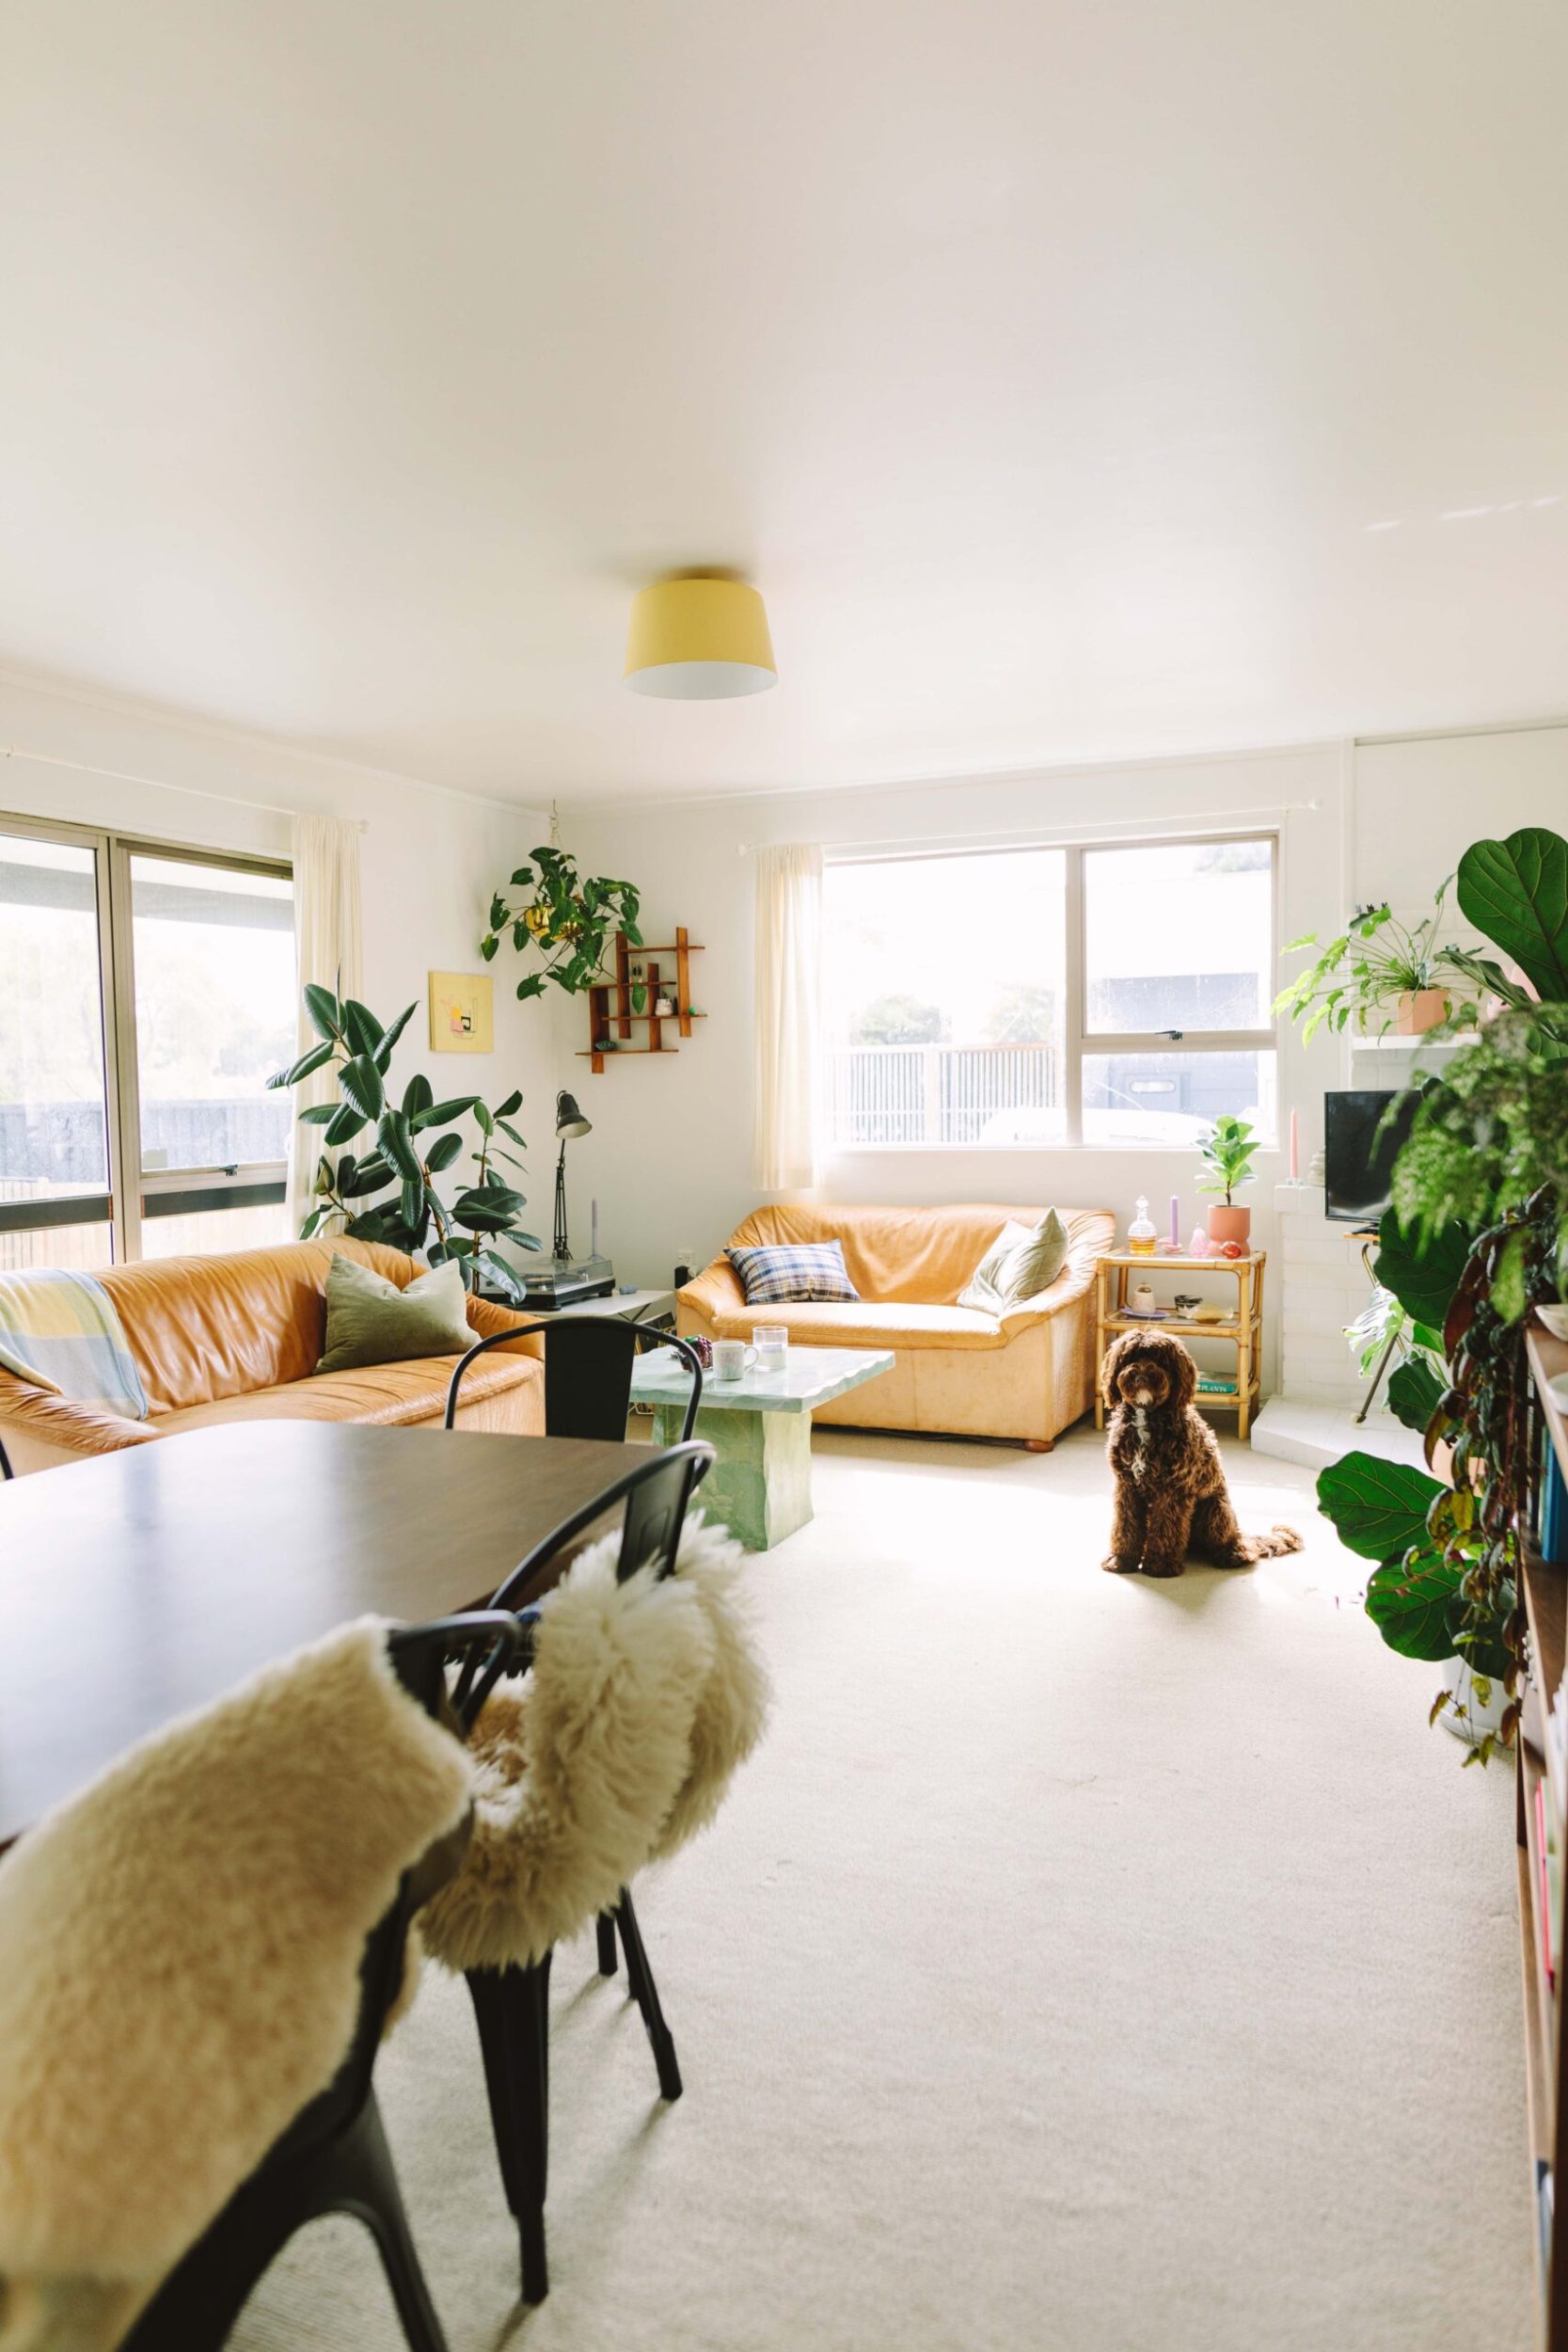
{"x": 1072, "y": 1284}
{"x": 714, "y": 1293}
{"x": 39, "y": 1429}
{"x": 486, "y": 1318}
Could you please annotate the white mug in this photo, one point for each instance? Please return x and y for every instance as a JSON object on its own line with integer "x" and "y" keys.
{"x": 732, "y": 1359}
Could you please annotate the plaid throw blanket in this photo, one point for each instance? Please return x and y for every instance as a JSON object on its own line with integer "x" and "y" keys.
{"x": 60, "y": 1332}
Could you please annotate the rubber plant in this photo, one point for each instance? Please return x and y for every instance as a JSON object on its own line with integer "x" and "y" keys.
{"x": 566, "y": 919}
{"x": 391, "y": 1195}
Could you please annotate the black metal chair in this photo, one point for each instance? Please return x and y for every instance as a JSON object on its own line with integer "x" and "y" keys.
{"x": 334, "y": 2156}
{"x": 512, "y": 2005}
{"x": 588, "y": 1361}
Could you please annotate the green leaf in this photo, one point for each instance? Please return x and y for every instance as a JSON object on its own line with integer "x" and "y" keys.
{"x": 362, "y": 1028}
{"x": 413, "y": 1200}
{"x": 384, "y": 1057}
{"x": 314, "y": 1222}
{"x": 1379, "y": 1508}
{"x": 442, "y": 1152}
{"x": 497, "y": 912}
{"x": 1413, "y": 1606}
{"x": 343, "y": 1124}
{"x": 1517, "y": 892}
{"x": 487, "y": 946}
{"x": 369, "y": 1176}
{"x": 418, "y": 1095}
{"x": 508, "y": 1109}
{"x": 533, "y": 986}
{"x": 521, "y": 878}
{"x": 360, "y": 1082}
{"x": 372, "y": 1225}
{"x": 325, "y": 1011}
{"x": 484, "y": 1120}
{"x": 1414, "y": 1391}
{"x": 442, "y": 1114}
{"x": 319, "y": 1113}
{"x": 1508, "y": 1282}
{"x": 1423, "y": 1276}
{"x": 315, "y": 1059}
{"x": 397, "y": 1142}
{"x": 507, "y": 1129}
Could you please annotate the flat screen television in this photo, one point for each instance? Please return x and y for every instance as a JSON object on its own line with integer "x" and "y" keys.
{"x": 1360, "y": 1151}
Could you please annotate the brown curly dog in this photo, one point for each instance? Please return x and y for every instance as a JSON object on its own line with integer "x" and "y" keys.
{"x": 1171, "y": 1495}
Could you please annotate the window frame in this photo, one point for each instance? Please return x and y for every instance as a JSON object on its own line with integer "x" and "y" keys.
{"x": 136, "y": 1194}
{"x": 1077, "y": 1038}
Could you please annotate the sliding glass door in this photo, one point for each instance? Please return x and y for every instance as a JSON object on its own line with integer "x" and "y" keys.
{"x": 146, "y": 996}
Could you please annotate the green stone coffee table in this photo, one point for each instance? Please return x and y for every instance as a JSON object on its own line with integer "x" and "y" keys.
{"x": 760, "y": 1425}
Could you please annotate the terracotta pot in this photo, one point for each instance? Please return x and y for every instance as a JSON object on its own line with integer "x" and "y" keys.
{"x": 1230, "y": 1224}
{"x": 1415, "y": 1013}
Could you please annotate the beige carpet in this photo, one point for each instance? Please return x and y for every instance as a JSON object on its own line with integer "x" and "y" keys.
{"x": 1085, "y": 1965}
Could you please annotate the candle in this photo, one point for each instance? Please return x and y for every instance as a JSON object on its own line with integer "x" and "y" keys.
{"x": 1175, "y": 1223}
{"x": 1296, "y": 1147}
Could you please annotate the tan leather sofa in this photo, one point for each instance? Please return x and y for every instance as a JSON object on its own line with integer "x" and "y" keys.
{"x": 1026, "y": 1375}
{"x": 238, "y": 1337}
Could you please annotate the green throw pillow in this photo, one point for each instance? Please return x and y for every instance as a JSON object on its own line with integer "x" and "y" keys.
{"x": 1021, "y": 1262}
{"x": 369, "y": 1321}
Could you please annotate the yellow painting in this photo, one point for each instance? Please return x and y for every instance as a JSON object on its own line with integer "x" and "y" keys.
{"x": 462, "y": 1013}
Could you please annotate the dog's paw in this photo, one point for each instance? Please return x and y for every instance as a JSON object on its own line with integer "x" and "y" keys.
{"x": 1163, "y": 1568}
{"x": 1114, "y": 1564}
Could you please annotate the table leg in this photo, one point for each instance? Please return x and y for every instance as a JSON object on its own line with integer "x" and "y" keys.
{"x": 760, "y": 1486}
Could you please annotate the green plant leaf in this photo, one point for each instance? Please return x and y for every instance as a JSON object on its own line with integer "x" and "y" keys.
{"x": 362, "y": 1029}
{"x": 325, "y": 1011}
{"x": 1423, "y": 1276}
{"x": 315, "y": 1059}
{"x": 343, "y": 1124}
{"x": 384, "y": 1056}
{"x": 1413, "y": 1606}
{"x": 442, "y": 1114}
{"x": 1508, "y": 1283}
{"x": 318, "y": 1113}
{"x": 1379, "y": 1508}
{"x": 413, "y": 1201}
{"x": 369, "y": 1176}
{"x": 484, "y": 1119}
{"x": 1414, "y": 1391}
{"x": 418, "y": 1095}
{"x": 372, "y": 1224}
{"x": 511, "y": 1105}
{"x": 1517, "y": 892}
{"x": 397, "y": 1142}
{"x": 360, "y": 1082}
{"x": 442, "y": 1152}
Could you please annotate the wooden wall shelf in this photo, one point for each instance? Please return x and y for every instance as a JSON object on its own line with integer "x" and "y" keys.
{"x": 610, "y": 1012}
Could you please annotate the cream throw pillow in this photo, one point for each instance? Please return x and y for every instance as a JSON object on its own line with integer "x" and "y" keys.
{"x": 369, "y": 1321}
{"x": 1021, "y": 1262}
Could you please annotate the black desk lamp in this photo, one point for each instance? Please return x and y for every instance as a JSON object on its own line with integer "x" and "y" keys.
{"x": 570, "y": 1123}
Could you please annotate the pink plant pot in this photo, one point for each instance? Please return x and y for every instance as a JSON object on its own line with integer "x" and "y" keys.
{"x": 1230, "y": 1224}
{"x": 1418, "y": 1012}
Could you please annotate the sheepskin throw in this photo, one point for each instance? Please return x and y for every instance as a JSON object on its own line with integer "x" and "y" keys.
{"x": 618, "y": 1745}
{"x": 179, "y": 1953}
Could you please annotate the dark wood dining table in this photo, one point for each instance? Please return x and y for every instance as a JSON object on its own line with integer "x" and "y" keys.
{"x": 141, "y": 1584}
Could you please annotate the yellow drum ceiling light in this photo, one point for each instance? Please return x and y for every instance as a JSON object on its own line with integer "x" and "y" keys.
{"x": 699, "y": 639}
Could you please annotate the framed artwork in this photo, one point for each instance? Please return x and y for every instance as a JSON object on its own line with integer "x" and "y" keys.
{"x": 462, "y": 1013}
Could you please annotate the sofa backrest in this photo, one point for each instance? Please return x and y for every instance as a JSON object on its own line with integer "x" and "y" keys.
{"x": 919, "y": 1256}
{"x": 205, "y": 1329}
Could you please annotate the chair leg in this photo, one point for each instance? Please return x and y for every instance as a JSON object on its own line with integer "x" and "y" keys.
{"x": 605, "y": 1926}
{"x": 380, "y": 2206}
{"x": 641, "y": 1978}
{"x": 486, "y": 1992}
{"x": 513, "y": 2012}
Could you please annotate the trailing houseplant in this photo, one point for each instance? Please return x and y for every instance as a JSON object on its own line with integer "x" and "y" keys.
{"x": 389, "y": 1194}
{"x": 566, "y": 919}
{"x": 1377, "y": 965}
{"x": 1227, "y": 1151}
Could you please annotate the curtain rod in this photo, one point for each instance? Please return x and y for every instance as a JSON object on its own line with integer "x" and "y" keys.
{"x": 160, "y": 783}
{"x": 1046, "y": 836}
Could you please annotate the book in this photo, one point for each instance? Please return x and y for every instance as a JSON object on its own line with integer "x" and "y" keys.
{"x": 1208, "y": 1386}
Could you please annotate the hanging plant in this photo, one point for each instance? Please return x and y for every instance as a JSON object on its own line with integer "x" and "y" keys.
{"x": 568, "y": 919}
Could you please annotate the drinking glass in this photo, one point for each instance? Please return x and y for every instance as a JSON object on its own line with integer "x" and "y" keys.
{"x": 772, "y": 1341}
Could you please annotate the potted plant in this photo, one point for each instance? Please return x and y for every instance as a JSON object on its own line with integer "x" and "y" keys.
{"x": 1376, "y": 964}
{"x": 568, "y": 917}
{"x": 1226, "y": 1151}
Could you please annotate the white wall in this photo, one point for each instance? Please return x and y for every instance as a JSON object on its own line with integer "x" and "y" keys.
{"x": 1419, "y": 803}
{"x": 430, "y": 858}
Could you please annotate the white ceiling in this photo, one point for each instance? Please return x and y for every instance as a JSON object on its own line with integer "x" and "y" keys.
{"x": 1076, "y": 377}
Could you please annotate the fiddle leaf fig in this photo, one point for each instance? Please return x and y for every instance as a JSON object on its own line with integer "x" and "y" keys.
{"x": 1517, "y": 892}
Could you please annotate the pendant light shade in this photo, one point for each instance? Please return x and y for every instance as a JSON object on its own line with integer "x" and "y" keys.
{"x": 699, "y": 640}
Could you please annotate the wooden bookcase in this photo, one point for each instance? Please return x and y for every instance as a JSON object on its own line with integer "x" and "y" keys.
{"x": 610, "y": 1012}
{"x": 1244, "y": 1327}
{"x": 1547, "y": 2090}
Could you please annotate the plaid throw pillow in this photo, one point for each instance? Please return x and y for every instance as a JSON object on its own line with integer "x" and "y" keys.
{"x": 781, "y": 1271}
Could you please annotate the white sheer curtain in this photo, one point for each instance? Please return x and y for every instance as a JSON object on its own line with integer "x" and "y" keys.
{"x": 788, "y": 1017}
{"x": 329, "y": 949}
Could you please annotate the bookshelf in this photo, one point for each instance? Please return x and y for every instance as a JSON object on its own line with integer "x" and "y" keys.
{"x": 1541, "y": 1751}
{"x": 1242, "y": 1326}
{"x": 633, "y": 1034}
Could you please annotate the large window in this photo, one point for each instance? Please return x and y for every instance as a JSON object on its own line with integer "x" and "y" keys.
{"x": 147, "y": 992}
{"x": 1022, "y": 997}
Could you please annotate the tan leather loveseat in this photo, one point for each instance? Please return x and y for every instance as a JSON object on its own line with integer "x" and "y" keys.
{"x": 1026, "y": 1374}
{"x": 237, "y": 1338}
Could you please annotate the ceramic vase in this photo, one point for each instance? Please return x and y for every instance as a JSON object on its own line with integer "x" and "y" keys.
{"x": 1230, "y": 1224}
{"x": 1420, "y": 1011}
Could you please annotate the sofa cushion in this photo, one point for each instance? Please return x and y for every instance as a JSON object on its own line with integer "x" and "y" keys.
{"x": 925, "y": 1254}
{"x": 386, "y": 1395}
{"x": 1020, "y": 1264}
{"x": 774, "y": 1273}
{"x": 868, "y": 1324}
{"x": 370, "y": 1320}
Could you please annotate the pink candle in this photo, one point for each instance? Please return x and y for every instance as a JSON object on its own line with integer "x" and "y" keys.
{"x": 1175, "y": 1224}
{"x": 1295, "y": 1146}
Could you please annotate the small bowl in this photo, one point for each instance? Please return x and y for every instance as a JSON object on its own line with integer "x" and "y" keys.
{"x": 1556, "y": 1320}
